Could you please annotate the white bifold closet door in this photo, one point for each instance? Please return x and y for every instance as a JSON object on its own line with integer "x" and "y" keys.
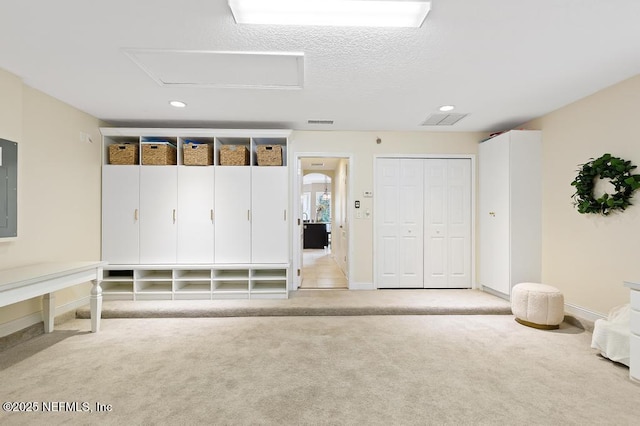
{"x": 423, "y": 223}
{"x": 398, "y": 210}
{"x": 447, "y": 223}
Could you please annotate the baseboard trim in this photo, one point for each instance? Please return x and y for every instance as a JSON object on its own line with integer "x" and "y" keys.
{"x": 361, "y": 286}
{"x": 581, "y": 317}
{"x": 494, "y": 292}
{"x": 36, "y": 317}
{"x": 582, "y": 312}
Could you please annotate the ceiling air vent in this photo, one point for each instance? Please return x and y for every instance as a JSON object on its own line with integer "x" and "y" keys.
{"x": 327, "y": 122}
{"x": 443, "y": 119}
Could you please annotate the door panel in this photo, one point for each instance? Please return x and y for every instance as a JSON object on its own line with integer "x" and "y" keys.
{"x": 435, "y": 220}
{"x": 494, "y": 215}
{"x": 410, "y": 208}
{"x": 196, "y": 215}
{"x": 120, "y": 214}
{"x": 459, "y": 226}
{"x": 270, "y": 236}
{"x": 386, "y": 217}
{"x": 447, "y": 216}
{"x": 399, "y": 223}
{"x": 158, "y": 214}
{"x": 232, "y": 222}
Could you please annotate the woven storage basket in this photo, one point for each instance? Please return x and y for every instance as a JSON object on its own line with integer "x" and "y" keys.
{"x": 269, "y": 155}
{"x": 196, "y": 154}
{"x": 234, "y": 155}
{"x": 123, "y": 153}
{"x": 158, "y": 154}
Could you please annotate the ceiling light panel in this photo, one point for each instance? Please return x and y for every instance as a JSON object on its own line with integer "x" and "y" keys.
{"x": 183, "y": 68}
{"x": 357, "y": 13}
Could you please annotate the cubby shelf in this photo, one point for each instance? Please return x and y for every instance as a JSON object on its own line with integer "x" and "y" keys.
{"x": 212, "y": 137}
{"x": 194, "y": 282}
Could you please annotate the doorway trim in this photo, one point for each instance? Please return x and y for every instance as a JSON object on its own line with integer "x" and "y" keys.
{"x": 472, "y": 157}
{"x": 296, "y": 223}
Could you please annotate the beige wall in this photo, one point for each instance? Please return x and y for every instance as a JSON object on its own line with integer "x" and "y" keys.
{"x": 58, "y": 185}
{"x": 589, "y": 256}
{"x": 586, "y": 256}
{"x": 363, "y": 147}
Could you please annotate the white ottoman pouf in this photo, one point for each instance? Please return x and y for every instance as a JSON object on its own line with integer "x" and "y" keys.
{"x": 537, "y": 305}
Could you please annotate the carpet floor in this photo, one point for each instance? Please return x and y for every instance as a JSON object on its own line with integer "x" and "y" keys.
{"x": 316, "y": 370}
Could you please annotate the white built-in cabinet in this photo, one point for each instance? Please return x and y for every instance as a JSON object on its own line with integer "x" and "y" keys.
{"x": 422, "y": 217}
{"x": 195, "y": 232}
{"x": 510, "y": 197}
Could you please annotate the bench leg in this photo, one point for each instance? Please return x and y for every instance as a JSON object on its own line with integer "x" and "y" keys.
{"x": 48, "y": 311}
{"x": 96, "y": 306}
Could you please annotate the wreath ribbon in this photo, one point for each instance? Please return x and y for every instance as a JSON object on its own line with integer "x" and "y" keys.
{"x": 606, "y": 167}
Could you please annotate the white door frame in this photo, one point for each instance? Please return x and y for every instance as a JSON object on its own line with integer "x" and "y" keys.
{"x": 296, "y": 185}
{"x": 472, "y": 157}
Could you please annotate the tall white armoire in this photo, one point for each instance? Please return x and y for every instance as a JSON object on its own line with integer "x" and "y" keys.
{"x": 510, "y": 210}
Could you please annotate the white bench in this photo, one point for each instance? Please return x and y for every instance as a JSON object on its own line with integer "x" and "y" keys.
{"x": 29, "y": 281}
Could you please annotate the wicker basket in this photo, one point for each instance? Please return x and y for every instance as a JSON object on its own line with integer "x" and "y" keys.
{"x": 159, "y": 154}
{"x": 234, "y": 155}
{"x": 123, "y": 153}
{"x": 197, "y": 154}
{"x": 269, "y": 155}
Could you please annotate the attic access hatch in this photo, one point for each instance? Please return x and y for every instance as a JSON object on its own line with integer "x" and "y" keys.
{"x": 8, "y": 189}
{"x": 191, "y": 68}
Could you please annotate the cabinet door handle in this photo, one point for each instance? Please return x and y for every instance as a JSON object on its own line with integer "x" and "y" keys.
{"x": 135, "y": 214}
{"x": 174, "y": 215}
{"x": 285, "y": 214}
{"x": 248, "y": 214}
{"x": 211, "y": 215}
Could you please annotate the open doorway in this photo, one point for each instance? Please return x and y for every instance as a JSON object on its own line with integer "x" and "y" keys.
{"x": 322, "y": 237}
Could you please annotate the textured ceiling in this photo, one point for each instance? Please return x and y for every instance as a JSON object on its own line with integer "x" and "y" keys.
{"x": 502, "y": 61}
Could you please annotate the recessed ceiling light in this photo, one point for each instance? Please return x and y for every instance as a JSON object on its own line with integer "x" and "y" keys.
{"x": 177, "y": 104}
{"x": 445, "y": 108}
{"x": 349, "y": 13}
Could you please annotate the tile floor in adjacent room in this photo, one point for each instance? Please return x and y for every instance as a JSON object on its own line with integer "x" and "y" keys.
{"x": 320, "y": 270}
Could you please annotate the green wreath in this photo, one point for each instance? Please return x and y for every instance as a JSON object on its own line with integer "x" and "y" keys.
{"x": 613, "y": 168}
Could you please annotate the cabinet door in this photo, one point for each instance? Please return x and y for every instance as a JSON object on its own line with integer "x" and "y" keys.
{"x": 120, "y": 213}
{"x": 233, "y": 214}
{"x": 269, "y": 230}
{"x": 158, "y": 214}
{"x": 494, "y": 214}
{"x": 195, "y": 214}
{"x": 399, "y": 229}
